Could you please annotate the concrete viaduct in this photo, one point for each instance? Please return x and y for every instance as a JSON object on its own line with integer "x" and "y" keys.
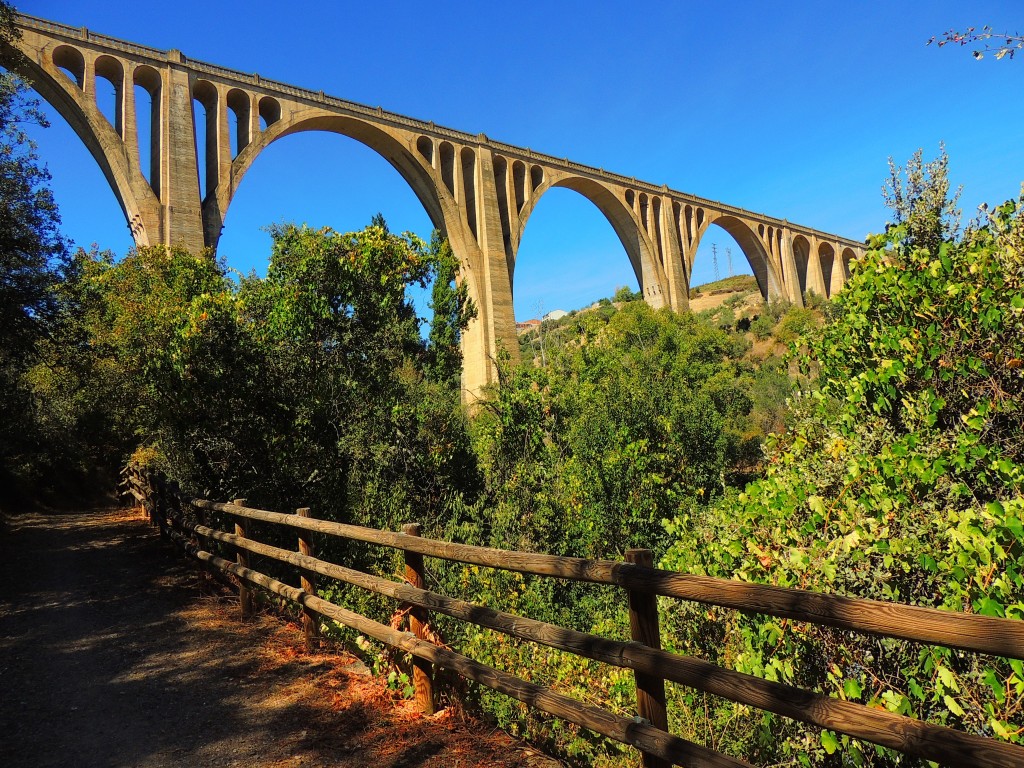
{"x": 479, "y": 192}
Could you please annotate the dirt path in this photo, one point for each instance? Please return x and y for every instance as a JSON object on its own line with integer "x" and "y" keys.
{"x": 109, "y": 656}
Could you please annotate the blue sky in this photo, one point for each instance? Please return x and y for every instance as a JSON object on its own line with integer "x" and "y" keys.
{"x": 790, "y": 109}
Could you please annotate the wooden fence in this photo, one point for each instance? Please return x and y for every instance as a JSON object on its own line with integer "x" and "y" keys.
{"x": 183, "y": 519}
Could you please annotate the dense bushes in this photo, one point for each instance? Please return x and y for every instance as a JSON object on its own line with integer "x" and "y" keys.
{"x": 900, "y": 479}
{"x": 311, "y": 387}
{"x": 32, "y": 263}
{"x": 631, "y": 417}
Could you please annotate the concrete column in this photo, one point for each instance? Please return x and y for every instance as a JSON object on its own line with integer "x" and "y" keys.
{"x": 254, "y": 117}
{"x": 131, "y": 128}
{"x": 652, "y": 280}
{"x": 675, "y": 269}
{"x": 89, "y": 77}
{"x": 840, "y": 262}
{"x": 790, "y": 274}
{"x": 815, "y": 279}
{"x": 489, "y": 281}
{"x": 458, "y": 182}
{"x": 180, "y": 183}
{"x": 838, "y": 273}
{"x": 223, "y": 140}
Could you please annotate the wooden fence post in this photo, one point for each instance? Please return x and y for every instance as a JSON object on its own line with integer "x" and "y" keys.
{"x": 176, "y": 513}
{"x": 244, "y": 591}
{"x": 147, "y": 491}
{"x": 643, "y": 626}
{"x": 161, "y": 502}
{"x": 310, "y": 623}
{"x": 422, "y": 672}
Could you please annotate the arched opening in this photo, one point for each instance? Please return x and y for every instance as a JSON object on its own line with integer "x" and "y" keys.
{"x": 501, "y": 180}
{"x": 802, "y": 257}
{"x": 827, "y": 258}
{"x": 269, "y": 111}
{"x": 426, "y": 149}
{"x": 71, "y": 62}
{"x": 204, "y": 113}
{"x": 644, "y": 212}
{"x": 570, "y": 256}
{"x": 110, "y": 91}
{"x": 728, "y": 248}
{"x": 519, "y": 183}
{"x": 536, "y": 176}
{"x": 146, "y": 82}
{"x": 848, "y": 257}
{"x": 469, "y": 186}
{"x": 239, "y": 120}
{"x": 447, "y": 157}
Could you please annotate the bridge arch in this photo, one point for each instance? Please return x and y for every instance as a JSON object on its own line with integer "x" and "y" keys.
{"x": 751, "y": 244}
{"x": 639, "y": 249}
{"x": 416, "y": 174}
{"x": 59, "y": 77}
{"x": 802, "y": 259}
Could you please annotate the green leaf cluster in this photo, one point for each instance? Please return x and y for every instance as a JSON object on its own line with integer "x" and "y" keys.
{"x": 900, "y": 478}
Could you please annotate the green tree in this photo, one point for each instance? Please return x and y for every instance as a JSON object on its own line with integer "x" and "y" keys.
{"x": 919, "y": 197}
{"x": 900, "y": 478}
{"x": 452, "y": 310}
{"x": 307, "y": 386}
{"x": 623, "y": 293}
{"x": 32, "y": 256}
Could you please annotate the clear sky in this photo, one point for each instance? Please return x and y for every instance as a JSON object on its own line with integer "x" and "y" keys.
{"x": 790, "y": 109}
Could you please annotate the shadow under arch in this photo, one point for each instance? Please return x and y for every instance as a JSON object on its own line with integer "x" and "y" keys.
{"x": 615, "y": 211}
{"x": 753, "y": 249}
{"x": 392, "y": 149}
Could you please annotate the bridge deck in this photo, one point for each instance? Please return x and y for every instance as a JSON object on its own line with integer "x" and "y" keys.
{"x": 109, "y": 655}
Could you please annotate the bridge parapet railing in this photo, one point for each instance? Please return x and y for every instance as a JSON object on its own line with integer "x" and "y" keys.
{"x": 85, "y": 34}
{"x": 183, "y": 519}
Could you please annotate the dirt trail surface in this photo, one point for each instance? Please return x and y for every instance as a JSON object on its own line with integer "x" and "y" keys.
{"x": 110, "y": 656}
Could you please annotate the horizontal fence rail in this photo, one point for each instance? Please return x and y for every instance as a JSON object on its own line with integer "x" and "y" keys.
{"x": 168, "y": 508}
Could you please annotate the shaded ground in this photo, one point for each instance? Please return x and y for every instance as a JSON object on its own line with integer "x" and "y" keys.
{"x": 109, "y": 656}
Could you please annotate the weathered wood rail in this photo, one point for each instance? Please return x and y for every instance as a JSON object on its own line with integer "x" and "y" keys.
{"x": 173, "y": 512}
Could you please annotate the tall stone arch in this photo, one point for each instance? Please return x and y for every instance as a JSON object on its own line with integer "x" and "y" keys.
{"x": 759, "y": 245}
{"x": 614, "y": 206}
{"x": 65, "y": 77}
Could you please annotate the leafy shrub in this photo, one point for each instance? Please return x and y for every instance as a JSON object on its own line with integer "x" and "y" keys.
{"x": 763, "y": 326}
{"x": 795, "y": 323}
{"x": 900, "y": 478}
